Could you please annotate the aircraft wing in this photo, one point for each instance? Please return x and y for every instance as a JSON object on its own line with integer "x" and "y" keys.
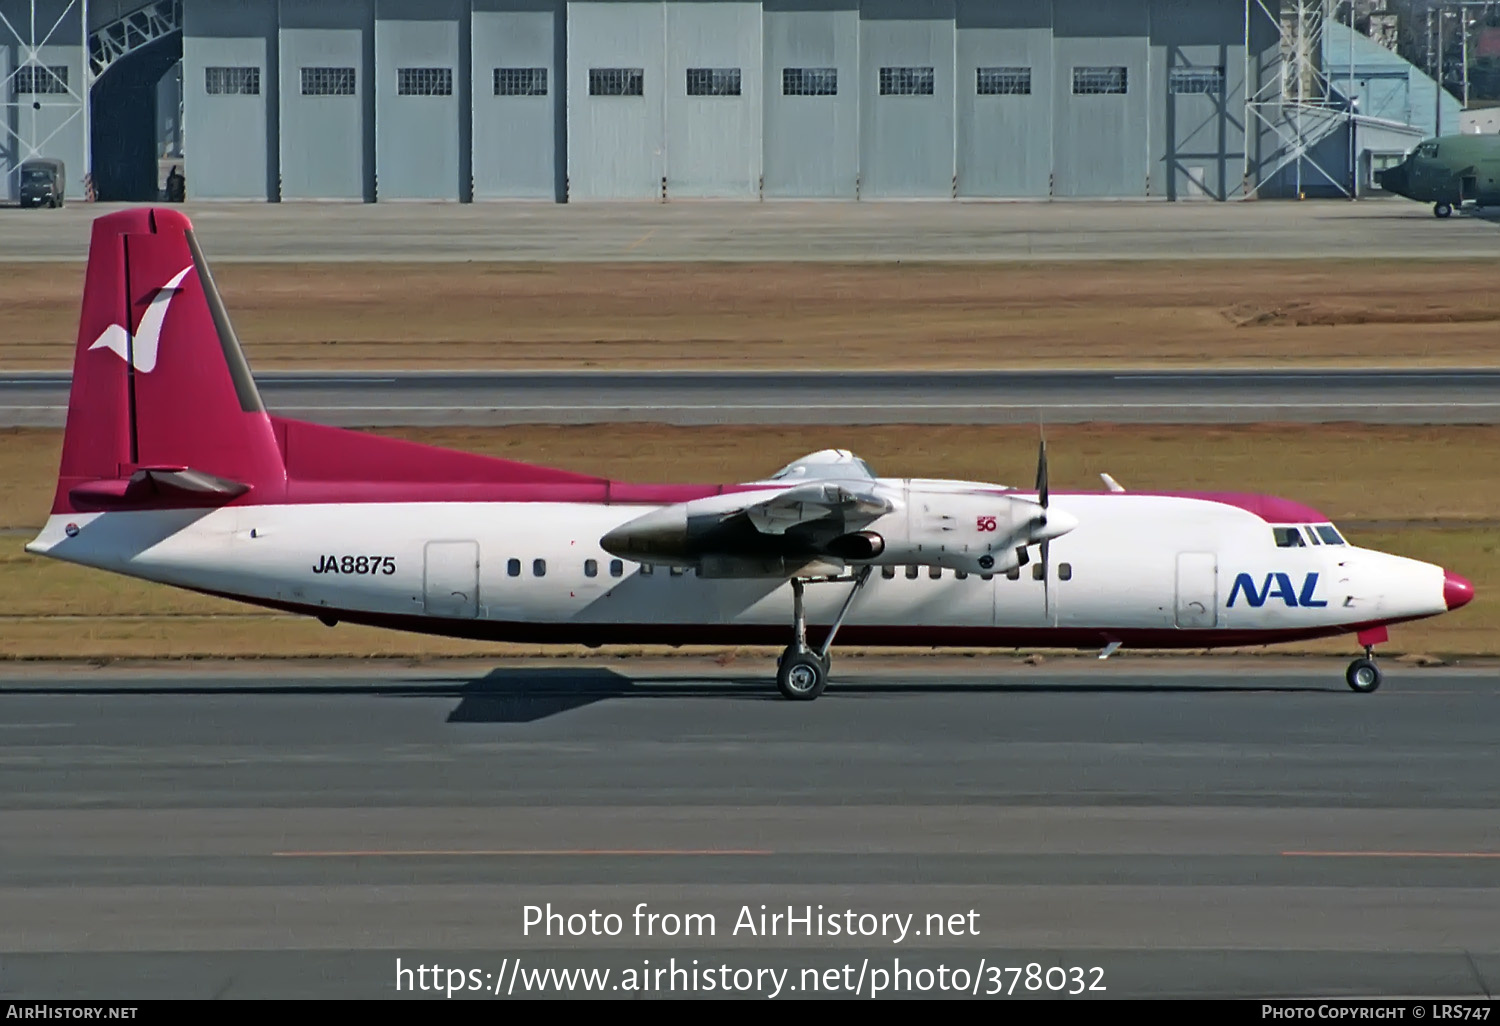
{"x": 851, "y": 507}
{"x": 751, "y": 533}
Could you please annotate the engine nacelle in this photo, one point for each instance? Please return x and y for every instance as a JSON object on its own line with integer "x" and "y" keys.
{"x": 974, "y": 531}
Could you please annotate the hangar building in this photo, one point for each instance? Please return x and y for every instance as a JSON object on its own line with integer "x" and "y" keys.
{"x": 460, "y": 100}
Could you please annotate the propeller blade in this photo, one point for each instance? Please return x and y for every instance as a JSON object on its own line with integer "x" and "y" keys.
{"x": 1023, "y": 556}
{"x": 1046, "y": 583}
{"x": 1041, "y": 476}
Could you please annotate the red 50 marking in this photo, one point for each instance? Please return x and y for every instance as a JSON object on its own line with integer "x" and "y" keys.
{"x": 986, "y": 523}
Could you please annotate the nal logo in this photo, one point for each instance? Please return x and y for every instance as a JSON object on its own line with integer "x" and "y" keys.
{"x": 148, "y": 337}
{"x": 1277, "y": 586}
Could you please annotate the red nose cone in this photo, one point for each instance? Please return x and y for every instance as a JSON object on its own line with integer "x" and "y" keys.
{"x": 1456, "y": 591}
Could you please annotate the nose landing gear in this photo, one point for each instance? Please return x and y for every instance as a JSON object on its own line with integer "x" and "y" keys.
{"x": 1442, "y": 209}
{"x": 1363, "y": 675}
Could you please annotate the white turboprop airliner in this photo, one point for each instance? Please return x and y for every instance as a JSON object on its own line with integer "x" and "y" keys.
{"x": 173, "y": 471}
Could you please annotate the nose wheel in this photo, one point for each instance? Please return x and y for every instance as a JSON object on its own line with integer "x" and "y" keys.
{"x": 1363, "y": 675}
{"x": 1442, "y": 209}
{"x": 802, "y": 672}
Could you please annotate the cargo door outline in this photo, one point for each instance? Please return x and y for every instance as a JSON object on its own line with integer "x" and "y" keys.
{"x": 1197, "y": 589}
{"x": 450, "y": 579}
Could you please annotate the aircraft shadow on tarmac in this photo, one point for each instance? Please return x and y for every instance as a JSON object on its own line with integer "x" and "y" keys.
{"x": 525, "y": 695}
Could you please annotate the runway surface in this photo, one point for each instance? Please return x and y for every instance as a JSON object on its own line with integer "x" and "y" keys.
{"x": 858, "y": 232}
{"x": 1457, "y": 396}
{"x": 1189, "y": 827}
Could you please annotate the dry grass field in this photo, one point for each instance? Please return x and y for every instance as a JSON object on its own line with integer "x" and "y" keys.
{"x": 1429, "y": 493}
{"x": 815, "y": 316}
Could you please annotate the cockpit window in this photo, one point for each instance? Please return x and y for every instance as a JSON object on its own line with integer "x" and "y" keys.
{"x": 1329, "y": 535}
{"x": 1288, "y": 538}
{"x": 1428, "y": 150}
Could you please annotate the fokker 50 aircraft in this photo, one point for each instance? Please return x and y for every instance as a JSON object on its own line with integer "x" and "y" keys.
{"x": 173, "y": 471}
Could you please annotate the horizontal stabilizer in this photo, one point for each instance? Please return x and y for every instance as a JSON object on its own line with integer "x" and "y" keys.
{"x": 149, "y": 486}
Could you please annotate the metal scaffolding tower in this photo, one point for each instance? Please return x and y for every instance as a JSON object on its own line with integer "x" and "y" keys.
{"x": 37, "y": 100}
{"x": 1288, "y": 93}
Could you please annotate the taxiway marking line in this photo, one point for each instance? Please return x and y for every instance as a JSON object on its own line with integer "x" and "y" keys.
{"x": 518, "y": 852}
{"x": 1394, "y": 854}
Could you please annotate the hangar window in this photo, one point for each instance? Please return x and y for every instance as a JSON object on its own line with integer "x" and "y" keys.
{"x": 1197, "y": 80}
{"x": 616, "y": 568}
{"x": 231, "y": 81}
{"x": 513, "y": 568}
{"x": 42, "y": 78}
{"x": 617, "y": 82}
{"x": 1065, "y": 571}
{"x": 1329, "y": 535}
{"x": 906, "y": 81}
{"x": 1098, "y": 81}
{"x": 911, "y": 573}
{"x": 1002, "y": 81}
{"x": 713, "y": 81}
{"x": 1288, "y": 538}
{"x": 809, "y": 81}
{"x": 327, "y": 81}
{"x": 424, "y": 81}
{"x": 888, "y": 572}
{"x": 591, "y": 568}
{"x": 520, "y": 81}
{"x": 539, "y": 568}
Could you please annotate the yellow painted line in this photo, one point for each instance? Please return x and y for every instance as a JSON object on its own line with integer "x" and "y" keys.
{"x": 517, "y": 852}
{"x": 642, "y": 239}
{"x": 1394, "y": 854}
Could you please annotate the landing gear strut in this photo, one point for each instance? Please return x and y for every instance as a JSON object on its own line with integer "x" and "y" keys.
{"x": 802, "y": 672}
{"x": 1363, "y": 675}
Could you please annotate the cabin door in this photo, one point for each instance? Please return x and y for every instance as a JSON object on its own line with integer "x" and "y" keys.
{"x": 450, "y": 579}
{"x": 1197, "y": 589}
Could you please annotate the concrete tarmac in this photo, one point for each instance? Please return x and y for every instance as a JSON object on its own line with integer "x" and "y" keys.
{"x": 1454, "y": 396}
{"x": 857, "y": 232}
{"x": 1245, "y": 828}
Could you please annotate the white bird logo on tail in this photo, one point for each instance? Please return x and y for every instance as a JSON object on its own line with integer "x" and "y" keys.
{"x": 117, "y": 340}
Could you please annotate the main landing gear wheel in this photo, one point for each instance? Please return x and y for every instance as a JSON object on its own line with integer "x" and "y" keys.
{"x": 801, "y": 671}
{"x": 1442, "y": 209}
{"x": 1363, "y": 675}
{"x": 802, "y": 676}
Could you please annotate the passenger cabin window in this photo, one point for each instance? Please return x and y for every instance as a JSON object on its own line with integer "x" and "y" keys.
{"x": 1065, "y": 571}
{"x": 1288, "y": 538}
{"x": 513, "y": 567}
{"x": 1329, "y": 535}
{"x": 1013, "y": 574}
{"x": 591, "y": 568}
{"x": 1038, "y": 572}
{"x": 911, "y": 573}
{"x": 616, "y": 568}
{"x": 888, "y": 572}
{"x": 539, "y": 567}
{"x": 935, "y": 572}
{"x": 961, "y": 575}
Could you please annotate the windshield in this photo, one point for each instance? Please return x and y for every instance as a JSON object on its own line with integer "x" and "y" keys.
{"x": 1329, "y": 535}
{"x": 36, "y": 176}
